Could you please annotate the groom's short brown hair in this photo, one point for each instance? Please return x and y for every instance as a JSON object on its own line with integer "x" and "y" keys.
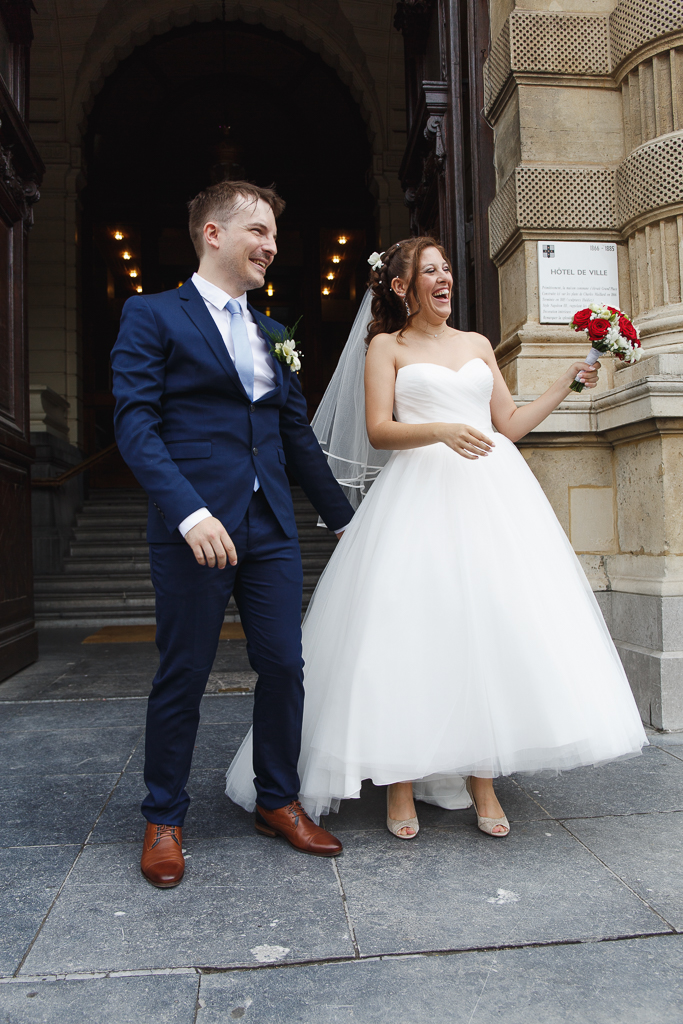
{"x": 217, "y": 202}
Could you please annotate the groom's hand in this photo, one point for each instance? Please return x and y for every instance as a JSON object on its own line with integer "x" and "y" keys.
{"x": 211, "y": 544}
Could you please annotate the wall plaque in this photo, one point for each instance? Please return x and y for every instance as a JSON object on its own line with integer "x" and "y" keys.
{"x": 573, "y": 274}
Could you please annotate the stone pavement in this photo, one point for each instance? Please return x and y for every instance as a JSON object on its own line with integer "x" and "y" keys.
{"x": 576, "y": 916}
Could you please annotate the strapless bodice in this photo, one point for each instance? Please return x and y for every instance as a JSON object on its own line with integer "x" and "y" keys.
{"x": 431, "y": 393}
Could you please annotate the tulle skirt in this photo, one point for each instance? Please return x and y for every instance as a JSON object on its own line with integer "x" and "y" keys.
{"x": 453, "y": 633}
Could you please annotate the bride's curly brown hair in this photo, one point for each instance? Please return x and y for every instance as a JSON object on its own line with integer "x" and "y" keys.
{"x": 402, "y": 260}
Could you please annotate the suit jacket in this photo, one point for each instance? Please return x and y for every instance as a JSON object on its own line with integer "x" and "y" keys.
{"x": 189, "y": 432}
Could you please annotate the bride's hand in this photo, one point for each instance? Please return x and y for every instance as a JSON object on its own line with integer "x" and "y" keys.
{"x": 466, "y": 441}
{"x": 589, "y": 374}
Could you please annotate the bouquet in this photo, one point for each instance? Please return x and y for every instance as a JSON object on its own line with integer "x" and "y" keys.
{"x": 609, "y": 330}
{"x": 283, "y": 346}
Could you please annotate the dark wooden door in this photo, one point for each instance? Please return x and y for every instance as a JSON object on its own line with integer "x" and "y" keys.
{"x": 447, "y": 171}
{"x": 20, "y": 173}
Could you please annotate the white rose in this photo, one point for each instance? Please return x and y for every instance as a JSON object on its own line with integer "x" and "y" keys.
{"x": 296, "y": 364}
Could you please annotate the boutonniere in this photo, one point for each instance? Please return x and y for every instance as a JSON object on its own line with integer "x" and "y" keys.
{"x": 283, "y": 345}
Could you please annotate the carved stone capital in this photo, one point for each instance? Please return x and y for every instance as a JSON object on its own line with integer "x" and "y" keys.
{"x": 24, "y": 192}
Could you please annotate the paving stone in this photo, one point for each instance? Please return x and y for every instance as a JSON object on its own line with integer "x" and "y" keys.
{"x": 646, "y": 851}
{"x": 462, "y": 889}
{"x": 370, "y": 811}
{"x": 636, "y": 982}
{"x": 227, "y": 708}
{"x": 211, "y": 814}
{"x": 651, "y": 782}
{"x": 242, "y": 902}
{"x": 52, "y": 716}
{"x": 214, "y": 748}
{"x": 50, "y": 809}
{"x": 29, "y": 880}
{"x": 100, "y": 684}
{"x": 151, "y": 999}
{"x": 70, "y": 751}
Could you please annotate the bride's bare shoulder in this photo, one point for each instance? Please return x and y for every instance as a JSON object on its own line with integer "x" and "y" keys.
{"x": 382, "y": 345}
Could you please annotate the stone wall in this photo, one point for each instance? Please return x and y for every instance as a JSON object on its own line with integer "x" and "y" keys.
{"x": 587, "y": 103}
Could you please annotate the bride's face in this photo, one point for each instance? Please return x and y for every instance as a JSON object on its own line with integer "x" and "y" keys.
{"x": 434, "y": 285}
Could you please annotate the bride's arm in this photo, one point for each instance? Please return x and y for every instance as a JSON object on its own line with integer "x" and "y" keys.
{"x": 514, "y": 422}
{"x": 388, "y": 435}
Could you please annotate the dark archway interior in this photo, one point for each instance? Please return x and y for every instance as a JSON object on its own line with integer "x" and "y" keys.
{"x": 202, "y": 104}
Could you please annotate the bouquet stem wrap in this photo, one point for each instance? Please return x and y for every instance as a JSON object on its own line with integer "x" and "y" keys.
{"x": 591, "y": 359}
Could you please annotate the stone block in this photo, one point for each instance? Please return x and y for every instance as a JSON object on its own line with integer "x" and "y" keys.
{"x": 591, "y": 518}
{"x": 656, "y": 678}
{"x": 570, "y": 125}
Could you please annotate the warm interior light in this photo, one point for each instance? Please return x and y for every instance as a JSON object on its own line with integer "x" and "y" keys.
{"x": 326, "y": 291}
{"x": 336, "y": 259}
{"x": 342, "y": 239}
{"x": 126, "y": 255}
{"x": 330, "y": 276}
{"x": 132, "y": 273}
{"x": 269, "y": 289}
{"x": 118, "y": 235}
{"x": 267, "y": 310}
{"x": 139, "y": 288}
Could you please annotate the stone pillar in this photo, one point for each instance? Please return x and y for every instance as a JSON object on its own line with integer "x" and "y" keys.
{"x": 52, "y": 509}
{"x": 588, "y": 116}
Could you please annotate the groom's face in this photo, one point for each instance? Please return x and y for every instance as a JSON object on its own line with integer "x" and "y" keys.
{"x": 246, "y": 244}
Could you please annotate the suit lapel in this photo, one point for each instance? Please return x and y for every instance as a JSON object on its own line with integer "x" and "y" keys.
{"x": 195, "y": 307}
{"x": 262, "y": 320}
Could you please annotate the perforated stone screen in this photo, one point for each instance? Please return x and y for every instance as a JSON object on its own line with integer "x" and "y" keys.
{"x": 635, "y": 22}
{"x": 651, "y": 177}
{"x": 566, "y": 44}
{"x": 547, "y": 198}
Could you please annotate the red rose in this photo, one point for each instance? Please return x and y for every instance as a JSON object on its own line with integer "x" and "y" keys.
{"x": 627, "y": 329}
{"x": 616, "y": 311}
{"x": 598, "y": 328}
{"x": 581, "y": 319}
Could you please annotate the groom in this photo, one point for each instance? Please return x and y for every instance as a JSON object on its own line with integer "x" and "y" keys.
{"x": 207, "y": 419}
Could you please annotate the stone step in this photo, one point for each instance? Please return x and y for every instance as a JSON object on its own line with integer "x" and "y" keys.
{"x": 106, "y": 575}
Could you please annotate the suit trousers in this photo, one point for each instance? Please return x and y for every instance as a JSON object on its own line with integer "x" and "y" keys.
{"x": 191, "y": 600}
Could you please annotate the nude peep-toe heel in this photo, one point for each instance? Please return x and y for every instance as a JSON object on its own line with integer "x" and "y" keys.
{"x": 395, "y": 826}
{"x": 487, "y": 825}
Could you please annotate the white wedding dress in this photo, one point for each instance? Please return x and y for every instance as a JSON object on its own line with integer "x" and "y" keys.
{"x": 453, "y": 631}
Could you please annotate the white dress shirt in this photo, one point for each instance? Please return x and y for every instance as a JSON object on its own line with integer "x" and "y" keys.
{"x": 265, "y": 380}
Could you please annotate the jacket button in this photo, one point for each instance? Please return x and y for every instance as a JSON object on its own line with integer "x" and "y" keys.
{"x": 251, "y": 407}
{"x": 255, "y": 451}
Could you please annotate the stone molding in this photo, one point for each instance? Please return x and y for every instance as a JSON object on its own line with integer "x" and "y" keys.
{"x": 546, "y": 198}
{"x": 49, "y": 412}
{"x": 651, "y": 177}
{"x": 576, "y": 45}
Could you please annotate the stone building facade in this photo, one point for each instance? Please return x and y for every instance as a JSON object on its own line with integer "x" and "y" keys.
{"x": 585, "y": 102}
{"x": 586, "y": 99}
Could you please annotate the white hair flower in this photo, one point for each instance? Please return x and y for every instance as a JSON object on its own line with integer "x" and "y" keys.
{"x": 375, "y": 260}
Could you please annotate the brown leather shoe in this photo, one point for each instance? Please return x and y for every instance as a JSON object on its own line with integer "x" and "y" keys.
{"x": 162, "y": 861}
{"x": 294, "y": 825}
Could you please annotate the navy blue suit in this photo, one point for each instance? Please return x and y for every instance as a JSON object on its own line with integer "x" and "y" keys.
{"x": 193, "y": 438}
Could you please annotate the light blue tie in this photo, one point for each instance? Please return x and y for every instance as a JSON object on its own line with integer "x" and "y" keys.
{"x": 244, "y": 357}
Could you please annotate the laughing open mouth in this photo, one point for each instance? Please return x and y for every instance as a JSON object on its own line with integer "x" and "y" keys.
{"x": 443, "y": 293}
{"x": 258, "y": 261}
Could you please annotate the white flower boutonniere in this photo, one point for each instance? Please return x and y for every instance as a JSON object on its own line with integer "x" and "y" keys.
{"x": 283, "y": 346}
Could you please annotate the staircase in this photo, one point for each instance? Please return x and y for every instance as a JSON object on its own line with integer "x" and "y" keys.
{"x": 105, "y": 577}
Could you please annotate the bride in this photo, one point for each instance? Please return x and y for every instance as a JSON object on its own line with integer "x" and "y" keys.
{"x": 453, "y": 636}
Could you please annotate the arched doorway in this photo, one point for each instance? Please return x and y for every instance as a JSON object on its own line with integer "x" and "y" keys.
{"x": 200, "y": 104}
